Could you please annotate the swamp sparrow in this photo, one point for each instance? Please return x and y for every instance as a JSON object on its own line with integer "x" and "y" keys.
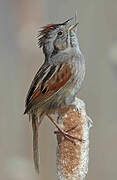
{"x": 58, "y": 80}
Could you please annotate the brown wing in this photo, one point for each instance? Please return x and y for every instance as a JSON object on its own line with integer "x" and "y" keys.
{"x": 53, "y": 81}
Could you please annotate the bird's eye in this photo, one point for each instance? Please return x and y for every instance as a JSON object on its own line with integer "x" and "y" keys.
{"x": 60, "y": 33}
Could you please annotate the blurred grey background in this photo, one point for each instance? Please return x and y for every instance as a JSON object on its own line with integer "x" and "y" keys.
{"x": 20, "y": 58}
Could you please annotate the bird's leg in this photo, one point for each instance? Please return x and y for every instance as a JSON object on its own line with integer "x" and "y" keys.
{"x": 58, "y": 132}
{"x": 64, "y": 133}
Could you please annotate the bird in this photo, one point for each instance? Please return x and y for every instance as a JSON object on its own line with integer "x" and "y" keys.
{"x": 58, "y": 80}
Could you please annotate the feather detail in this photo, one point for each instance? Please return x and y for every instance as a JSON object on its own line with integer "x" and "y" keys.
{"x": 52, "y": 81}
{"x": 43, "y": 33}
{"x": 38, "y": 77}
{"x": 35, "y": 142}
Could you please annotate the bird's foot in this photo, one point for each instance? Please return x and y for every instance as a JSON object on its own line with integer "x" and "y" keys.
{"x": 67, "y": 135}
{"x": 63, "y": 132}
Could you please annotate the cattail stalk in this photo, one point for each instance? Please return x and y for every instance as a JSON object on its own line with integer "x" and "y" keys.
{"x": 72, "y": 158}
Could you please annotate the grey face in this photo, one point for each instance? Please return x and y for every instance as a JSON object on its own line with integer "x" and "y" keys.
{"x": 61, "y": 40}
{"x": 58, "y": 37}
{"x": 54, "y": 38}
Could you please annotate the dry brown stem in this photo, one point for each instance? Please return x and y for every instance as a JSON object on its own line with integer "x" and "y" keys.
{"x": 72, "y": 159}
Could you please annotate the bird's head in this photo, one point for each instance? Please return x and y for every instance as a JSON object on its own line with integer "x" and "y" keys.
{"x": 54, "y": 38}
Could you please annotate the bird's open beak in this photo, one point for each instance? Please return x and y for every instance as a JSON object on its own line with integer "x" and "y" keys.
{"x": 68, "y": 21}
{"x": 72, "y": 27}
{"x": 69, "y": 27}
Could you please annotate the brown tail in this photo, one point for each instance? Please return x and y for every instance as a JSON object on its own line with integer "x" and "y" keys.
{"x": 35, "y": 126}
